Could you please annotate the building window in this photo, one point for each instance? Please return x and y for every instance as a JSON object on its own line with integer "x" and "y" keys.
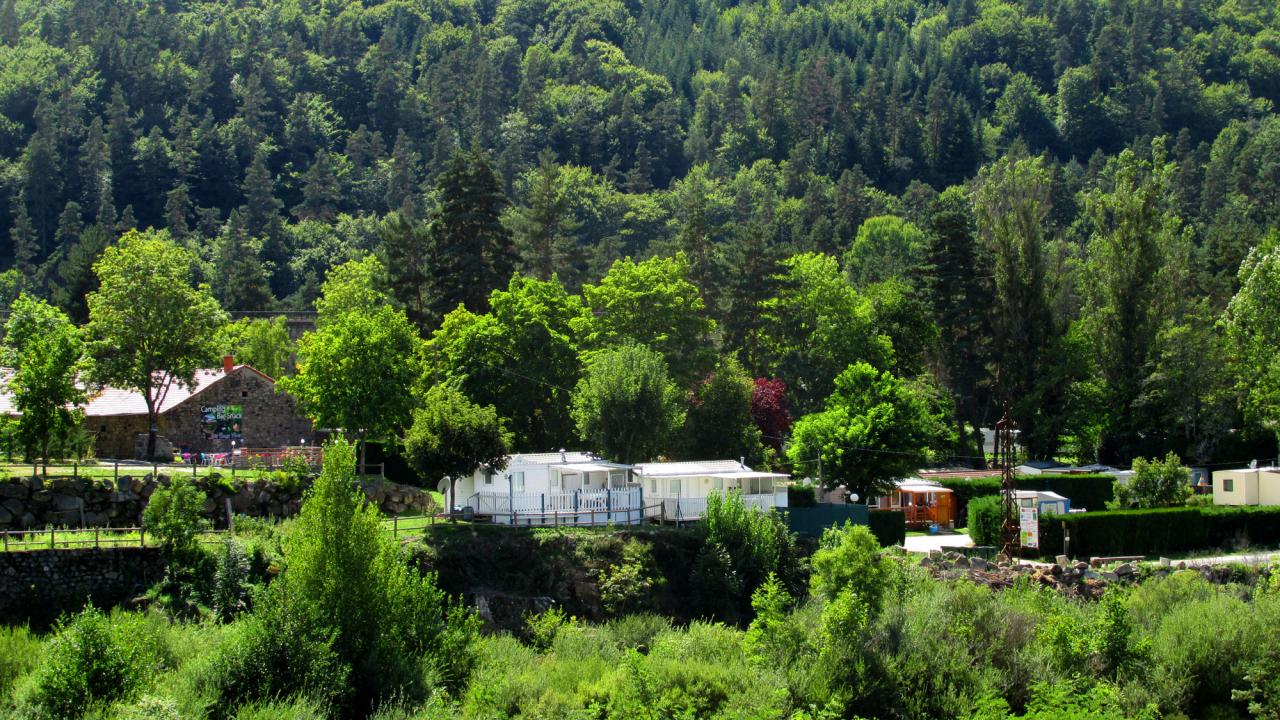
{"x": 555, "y": 481}
{"x": 488, "y": 477}
{"x": 720, "y": 484}
{"x": 675, "y": 486}
{"x": 517, "y": 481}
{"x": 244, "y": 393}
{"x": 1228, "y": 484}
{"x": 653, "y": 486}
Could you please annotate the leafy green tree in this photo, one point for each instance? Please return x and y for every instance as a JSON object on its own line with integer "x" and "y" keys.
{"x": 1011, "y": 204}
{"x": 652, "y": 303}
{"x": 356, "y": 369}
{"x": 873, "y": 429}
{"x": 262, "y": 343}
{"x": 1252, "y": 324}
{"x": 718, "y": 423}
{"x": 43, "y": 351}
{"x": 149, "y": 326}
{"x": 353, "y": 286}
{"x": 848, "y": 560}
{"x": 486, "y": 355}
{"x": 453, "y": 437}
{"x": 1155, "y": 483}
{"x": 886, "y": 247}
{"x": 625, "y": 405}
{"x": 815, "y": 327}
{"x": 471, "y": 252}
{"x": 1129, "y": 291}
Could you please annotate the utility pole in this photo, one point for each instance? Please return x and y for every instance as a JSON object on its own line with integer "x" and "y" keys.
{"x": 1009, "y": 506}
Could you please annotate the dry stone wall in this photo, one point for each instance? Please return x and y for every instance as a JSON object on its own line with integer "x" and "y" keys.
{"x": 37, "y": 587}
{"x": 29, "y": 503}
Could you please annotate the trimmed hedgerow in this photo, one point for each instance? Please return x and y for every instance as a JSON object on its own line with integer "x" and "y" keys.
{"x": 1161, "y": 530}
{"x": 889, "y": 526}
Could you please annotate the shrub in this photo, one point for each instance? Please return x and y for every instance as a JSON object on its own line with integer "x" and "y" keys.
{"x": 985, "y": 520}
{"x": 628, "y": 584}
{"x": 803, "y": 495}
{"x": 19, "y": 654}
{"x": 230, "y": 592}
{"x": 174, "y": 514}
{"x": 742, "y": 546}
{"x": 89, "y": 661}
{"x": 1155, "y": 483}
{"x": 848, "y": 559}
{"x": 889, "y": 526}
{"x": 540, "y": 629}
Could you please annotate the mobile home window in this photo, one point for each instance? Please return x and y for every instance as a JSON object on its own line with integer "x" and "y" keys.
{"x": 1228, "y": 484}
{"x": 719, "y": 483}
{"x": 517, "y": 481}
{"x": 488, "y": 477}
{"x": 653, "y": 486}
{"x": 555, "y": 481}
{"x": 675, "y": 486}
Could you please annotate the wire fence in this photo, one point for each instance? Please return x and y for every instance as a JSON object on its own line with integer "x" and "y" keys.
{"x": 51, "y": 538}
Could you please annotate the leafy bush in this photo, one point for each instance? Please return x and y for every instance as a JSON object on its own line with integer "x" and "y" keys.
{"x": 742, "y": 547}
{"x": 889, "y": 526}
{"x": 19, "y": 653}
{"x": 1091, "y": 492}
{"x": 849, "y": 559}
{"x": 801, "y": 495}
{"x": 985, "y": 520}
{"x": 628, "y": 584}
{"x": 174, "y": 514}
{"x": 540, "y": 629}
{"x": 230, "y": 591}
{"x": 89, "y": 661}
{"x": 1155, "y": 483}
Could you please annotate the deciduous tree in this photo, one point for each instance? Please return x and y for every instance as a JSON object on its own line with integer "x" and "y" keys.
{"x": 625, "y": 406}
{"x": 43, "y": 352}
{"x": 149, "y": 326}
{"x": 453, "y": 437}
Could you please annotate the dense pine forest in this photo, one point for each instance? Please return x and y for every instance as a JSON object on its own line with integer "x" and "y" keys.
{"x": 1067, "y": 204}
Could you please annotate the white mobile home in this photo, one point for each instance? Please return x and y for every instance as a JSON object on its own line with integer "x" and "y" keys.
{"x": 561, "y": 488}
{"x": 682, "y": 488}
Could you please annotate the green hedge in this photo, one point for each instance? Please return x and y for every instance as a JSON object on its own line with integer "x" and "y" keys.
{"x": 801, "y": 496}
{"x": 984, "y": 520}
{"x": 1085, "y": 491}
{"x": 1160, "y": 531}
{"x": 889, "y": 526}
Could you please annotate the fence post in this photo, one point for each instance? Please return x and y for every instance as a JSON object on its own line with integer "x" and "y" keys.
{"x": 116, "y": 475}
{"x": 95, "y": 538}
{"x": 51, "y": 535}
{"x": 395, "y": 525}
{"x": 75, "y": 471}
{"x": 142, "y": 537}
{"x": 5, "y": 535}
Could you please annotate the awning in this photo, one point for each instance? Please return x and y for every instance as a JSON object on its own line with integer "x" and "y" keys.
{"x": 917, "y": 488}
{"x": 749, "y": 475}
{"x": 587, "y": 467}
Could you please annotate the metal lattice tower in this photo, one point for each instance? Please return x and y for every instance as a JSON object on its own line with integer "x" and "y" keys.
{"x": 1009, "y": 507}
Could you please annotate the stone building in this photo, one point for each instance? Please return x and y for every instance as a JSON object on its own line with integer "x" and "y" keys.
{"x": 231, "y": 404}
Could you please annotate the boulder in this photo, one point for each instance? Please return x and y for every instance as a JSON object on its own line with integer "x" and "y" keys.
{"x": 978, "y": 564}
{"x": 1062, "y": 560}
{"x": 6, "y": 517}
{"x": 67, "y": 503}
{"x": 15, "y": 490}
{"x": 1110, "y": 576}
{"x": 1124, "y": 569}
{"x": 961, "y": 561}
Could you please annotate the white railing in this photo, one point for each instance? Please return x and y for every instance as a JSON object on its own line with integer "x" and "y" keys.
{"x": 693, "y": 508}
{"x": 593, "y": 507}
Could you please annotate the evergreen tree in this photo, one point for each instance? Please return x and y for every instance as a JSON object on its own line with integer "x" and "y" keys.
{"x": 544, "y": 226}
{"x": 320, "y": 190}
{"x": 239, "y": 280}
{"x": 22, "y": 235}
{"x": 403, "y": 253}
{"x": 470, "y": 252}
{"x": 76, "y": 278}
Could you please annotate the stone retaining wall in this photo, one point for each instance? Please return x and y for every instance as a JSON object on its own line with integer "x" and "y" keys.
{"x": 36, "y": 587}
{"x": 27, "y": 502}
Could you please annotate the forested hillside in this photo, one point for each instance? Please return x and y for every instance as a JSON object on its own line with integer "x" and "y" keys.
{"x": 1046, "y": 201}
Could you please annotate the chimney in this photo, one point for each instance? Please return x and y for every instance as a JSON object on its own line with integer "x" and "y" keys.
{"x": 228, "y": 363}
{"x": 742, "y": 462}
{"x": 562, "y": 458}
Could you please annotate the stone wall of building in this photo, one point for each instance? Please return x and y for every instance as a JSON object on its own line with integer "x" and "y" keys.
{"x": 35, "y": 503}
{"x": 37, "y": 587}
{"x": 271, "y": 420}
